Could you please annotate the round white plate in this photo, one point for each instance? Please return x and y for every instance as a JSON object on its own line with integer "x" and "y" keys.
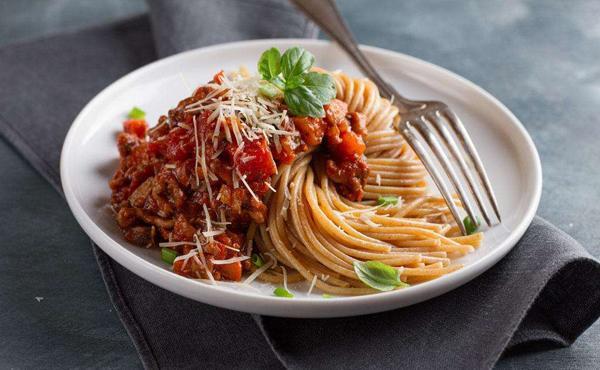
{"x": 89, "y": 158}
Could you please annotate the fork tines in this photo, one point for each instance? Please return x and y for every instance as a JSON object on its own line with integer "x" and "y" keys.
{"x": 431, "y": 128}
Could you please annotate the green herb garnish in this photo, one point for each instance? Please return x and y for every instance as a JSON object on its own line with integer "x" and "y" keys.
{"x": 269, "y": 64}
{"x": 385, "y": 201}
{"x": 136, "y": 113}
{"x": 281, "y": 292}
{"x": 168, "y": 255}
{"x": 325, "y": 295}
{"x": 257, "y": 260}
{"x": 304, "y": 92}
{"x": 470, "y": 226}
{"x": 378, "y": 275}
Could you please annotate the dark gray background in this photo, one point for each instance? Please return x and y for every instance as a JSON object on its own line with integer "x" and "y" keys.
{"x": 539, "y": 57}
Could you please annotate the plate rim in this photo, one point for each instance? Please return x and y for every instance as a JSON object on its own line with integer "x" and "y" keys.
{"x": 301, "y": 307}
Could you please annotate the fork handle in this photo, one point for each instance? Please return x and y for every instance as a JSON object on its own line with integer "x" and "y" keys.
{"x": 327, "y": 16}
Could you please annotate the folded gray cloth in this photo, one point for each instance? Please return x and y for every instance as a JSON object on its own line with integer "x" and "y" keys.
{"x": 543, "y": 294}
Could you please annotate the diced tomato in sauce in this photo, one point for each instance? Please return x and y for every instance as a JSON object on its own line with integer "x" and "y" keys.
{"x": 311, "y": 129}
{"x": 218, "y": 78}
{"x": 343, "y": 134}
{"x": 136, "y": 127}
{"x": 256, "y": 161}
{"x": 286, "y": 155}
{"x": 352, "y": 145}
{"x": 232, "y": 271}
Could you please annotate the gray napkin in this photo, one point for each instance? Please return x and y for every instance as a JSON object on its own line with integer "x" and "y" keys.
{"x": 543, "y": 294}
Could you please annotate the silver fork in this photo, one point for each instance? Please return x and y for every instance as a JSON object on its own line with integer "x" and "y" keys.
{"x": 422, "y": 124}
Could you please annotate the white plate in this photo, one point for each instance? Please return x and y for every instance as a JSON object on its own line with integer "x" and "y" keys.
{"x": 89, "y": 158}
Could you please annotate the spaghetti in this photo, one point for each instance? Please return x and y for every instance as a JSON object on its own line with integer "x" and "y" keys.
{"x": 321, "y": 234}
{"x": 233, "y": 172}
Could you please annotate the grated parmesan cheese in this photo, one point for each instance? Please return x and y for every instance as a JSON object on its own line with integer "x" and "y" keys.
{"x": 258, "y": 272}
{"x": 312, "y": 284}
{"x": 243, "y": 178}
{"x": 247, "y": 158}
{"x": 208, "y": 234}
{"x": 284, "y": 277}
{"x": 270, "y": 187}
{"x": 248, "y": 113}
{"x": 230, "y": 260}
{"x": 204, "y": 167}
{"x": 201, "y": 252}
{"x": 196, "y": 152}
{"x": 174, "y": 244}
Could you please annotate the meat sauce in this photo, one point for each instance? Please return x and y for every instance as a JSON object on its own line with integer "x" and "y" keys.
{"x": 160, "y": 190}
{"x": 342, "y": 135}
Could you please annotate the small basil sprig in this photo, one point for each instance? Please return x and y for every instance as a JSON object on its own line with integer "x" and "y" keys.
{"x": 282, "y": 292}
{"x": 257, "y": 260}
{"x": 378, "y": 275}
{"x": 136, "y": 113}
{"x": 471, "y": 226}
{"x": 168, "y": 255}
{"x": 387, "y": 201}
{"x": 288, "y": 75}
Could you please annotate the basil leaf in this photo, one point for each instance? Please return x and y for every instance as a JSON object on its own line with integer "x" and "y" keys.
{"x": 301, "y": 101}
{"x": 304, "y": 92}
{"x": 136, "y": 113}
{"x": 281, "y": 292}
{"x": 384, "y": 201}
{"x": 470, "y": 225}
{"x": 257, "y": 260}
{"x": 296, "y": 61}
{"x": 269, "y": 90}
{"x": 294, "y": 81}
{"x": 269, "y": 64}
{"x": 321, "y": 85}
{"x": 378, "y": 275}
{"x": 279, "y": 82}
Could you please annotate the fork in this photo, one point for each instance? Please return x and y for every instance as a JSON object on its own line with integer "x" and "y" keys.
{"x": 423, "y": 124}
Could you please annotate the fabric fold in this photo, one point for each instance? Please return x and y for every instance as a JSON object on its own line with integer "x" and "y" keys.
{"x": 544, "y": 293}
{"x": 187, "y": 24}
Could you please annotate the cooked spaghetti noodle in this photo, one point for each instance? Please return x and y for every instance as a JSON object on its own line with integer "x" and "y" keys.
{"x": 320, "y": 234}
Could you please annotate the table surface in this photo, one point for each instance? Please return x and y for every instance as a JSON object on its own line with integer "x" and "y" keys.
{"x": 538, "y": 57}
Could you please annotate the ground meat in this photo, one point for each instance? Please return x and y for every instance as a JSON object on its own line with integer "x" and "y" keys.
{"x": 182, "y": 229}
{"x": 139, "y": 195}
{"x": 350, "y": 177}
{"x": 140, "y": 235}
{"x": 174, "y": 176}
{"x": 161, "y": 129}
{"x": 126, "y": 217}
{"x": 358, "y": 122}
{"x": 152, "y": 219}
{"x": 126, "y": 142}
{"x": 335, "y": 111}
{"x": 346, "y": 164}
{"x": 242, "y": 207}
{"x": 342, "y": 133}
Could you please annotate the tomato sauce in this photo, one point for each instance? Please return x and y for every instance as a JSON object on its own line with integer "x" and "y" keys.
{"x": 169, "y": 174}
